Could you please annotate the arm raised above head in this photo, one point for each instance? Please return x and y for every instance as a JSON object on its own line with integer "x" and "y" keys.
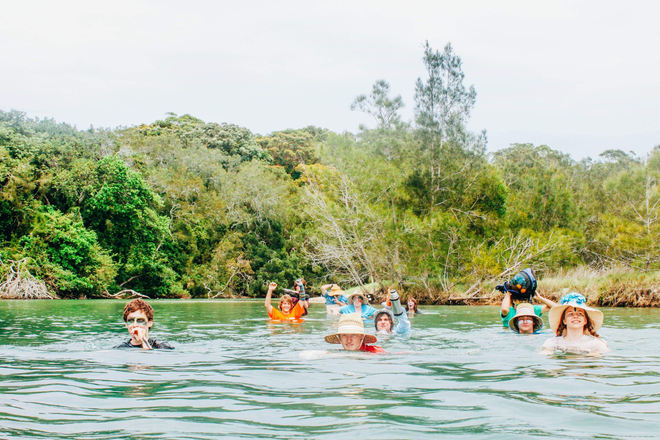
{"x": 506, "y": 304}
{"x": 269, "y": 294}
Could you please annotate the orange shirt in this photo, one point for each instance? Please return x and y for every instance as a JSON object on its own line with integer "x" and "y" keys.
{"x": 294, "y": 315}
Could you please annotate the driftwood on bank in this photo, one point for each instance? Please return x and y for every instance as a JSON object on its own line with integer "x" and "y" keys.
{"x": 21, "y": 284}
{"x": 125, "y": 294}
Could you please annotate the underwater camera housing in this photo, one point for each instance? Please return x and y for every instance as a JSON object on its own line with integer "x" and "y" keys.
{"x": 522, "y": 286}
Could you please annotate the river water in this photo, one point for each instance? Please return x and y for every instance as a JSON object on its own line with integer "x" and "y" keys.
{"x": 234, "y": 375}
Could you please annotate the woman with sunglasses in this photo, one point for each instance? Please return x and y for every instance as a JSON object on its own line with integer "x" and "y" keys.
{"x": 358, "y": 303}
{"x": 139, "y": 318}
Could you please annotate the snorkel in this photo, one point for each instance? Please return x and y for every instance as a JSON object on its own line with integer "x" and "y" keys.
{"x": 141, "y": 337}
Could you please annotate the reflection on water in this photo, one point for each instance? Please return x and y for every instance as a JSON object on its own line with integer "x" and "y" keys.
{"x": 235, "y": 375}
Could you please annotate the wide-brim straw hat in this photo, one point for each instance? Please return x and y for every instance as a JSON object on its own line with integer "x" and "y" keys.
{"x": 358, "y": 293}
{"x": 350, "y": 324}
{"x": 525, "y": 309}
{"x": 578, "y": 301}
{"x": 335, "y": 290}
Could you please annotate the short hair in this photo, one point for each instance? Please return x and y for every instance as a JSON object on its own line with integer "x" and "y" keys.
{"x": 139, "y": 304}
{"x": 286, "y": 298}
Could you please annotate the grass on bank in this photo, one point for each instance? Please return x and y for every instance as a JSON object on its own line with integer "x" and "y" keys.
{"x": 612, "y": 287}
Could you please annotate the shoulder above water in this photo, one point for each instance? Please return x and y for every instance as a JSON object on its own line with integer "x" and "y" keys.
{"x": 154, "y": 344}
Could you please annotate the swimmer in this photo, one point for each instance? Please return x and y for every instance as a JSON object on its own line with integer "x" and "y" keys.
{"x": 412, "y": 306}
{"x": 350, "y": 334}
{"x": 334, "y": 298}
{"x": 139, "y": 318}
{"x": 522, "y": 287}
{"x": 575, "y": 325}
{"x": 526, "y": 321}
{"x": 287, "y": 311}
{"x": 358, "y": 303}
{"x": 384, "y": 318}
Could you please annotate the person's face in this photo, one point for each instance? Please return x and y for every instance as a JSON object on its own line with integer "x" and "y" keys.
{"x": 525, "y": 324}
{"x": 575, "y": 318}
{"x": 351, "y": 342}
{"x": 286, "y": 306}
{"x": 383, "y": 323}
{"x": 137, "y": 322}
{"x": 357, "y": 301}
{"x": 411, "y": 304}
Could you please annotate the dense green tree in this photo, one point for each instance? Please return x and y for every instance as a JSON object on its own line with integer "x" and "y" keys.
{"x": 67, "y": 255}
{"x": 289, "y": 148}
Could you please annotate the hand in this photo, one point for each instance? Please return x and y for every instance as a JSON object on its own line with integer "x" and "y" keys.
{"x": 272, "y": 286}
{"x": 138, "y": 332}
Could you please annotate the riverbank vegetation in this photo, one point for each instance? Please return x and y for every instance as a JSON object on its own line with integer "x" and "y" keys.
{"x": 182, "y": 207}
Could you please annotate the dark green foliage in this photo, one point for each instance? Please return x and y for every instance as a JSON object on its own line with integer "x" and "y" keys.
{"x": 67, "y": 255}
{"x": 270, "y": 258}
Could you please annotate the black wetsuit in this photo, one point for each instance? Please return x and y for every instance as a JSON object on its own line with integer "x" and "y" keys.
{"x": 152, "y": 342}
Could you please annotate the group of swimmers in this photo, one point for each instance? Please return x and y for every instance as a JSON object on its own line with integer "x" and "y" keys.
{"x": 573, "y": 323}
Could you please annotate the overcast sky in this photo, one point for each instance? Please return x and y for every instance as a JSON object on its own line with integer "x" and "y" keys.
{"x": 580, "y": 76}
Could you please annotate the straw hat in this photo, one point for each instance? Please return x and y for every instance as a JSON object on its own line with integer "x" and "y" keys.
{"x": 365, "y": 299}
{"x": 576, "y": 300}
{"x": 350, "y": 324}
{"x": 525, "y": 309}
{"x": 335, "y": 290}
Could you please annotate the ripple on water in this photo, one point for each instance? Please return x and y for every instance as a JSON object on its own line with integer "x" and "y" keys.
{"x": 457, "y": 375}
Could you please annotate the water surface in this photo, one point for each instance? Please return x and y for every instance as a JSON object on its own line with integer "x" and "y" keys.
{"x": 458, "y": 375}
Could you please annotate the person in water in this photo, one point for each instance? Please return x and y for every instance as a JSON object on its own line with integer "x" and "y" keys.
{"x": 139, "y": 318}
{"x": 521, "y": 288}
{"x": 575, "y": 325}
{"x": 384, "y": 319}
{"x": 525, "y": 321}
{"x": 287, "y": 311}
{"x": 350, "y": 334}
{"x": 358, "y": 303}
{"x": 411, "y": 306}
{"x": 334, "y": 298}
{"x": 299, "y": 294}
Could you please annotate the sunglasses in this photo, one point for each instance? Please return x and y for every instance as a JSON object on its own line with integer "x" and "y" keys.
{"x": 138, "y": 321}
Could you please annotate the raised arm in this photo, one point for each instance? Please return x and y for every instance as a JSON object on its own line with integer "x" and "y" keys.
{"x": 267, "y": 304}
{"x": 547, "y": 304}
{"x": 506, "y": 304}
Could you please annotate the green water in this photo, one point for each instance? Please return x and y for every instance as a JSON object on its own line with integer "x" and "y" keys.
{"x": 233, "y": 375}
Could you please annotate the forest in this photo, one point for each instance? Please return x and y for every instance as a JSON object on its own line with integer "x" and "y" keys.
{"x": 181, "y": 207}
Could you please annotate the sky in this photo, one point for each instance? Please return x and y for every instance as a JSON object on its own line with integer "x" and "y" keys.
{"x": 579, "y": 76}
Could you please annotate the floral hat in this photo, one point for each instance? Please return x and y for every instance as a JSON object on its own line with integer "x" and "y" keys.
{"x": 576, "y": 300}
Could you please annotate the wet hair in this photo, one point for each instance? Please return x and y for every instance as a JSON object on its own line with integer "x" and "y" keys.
{"x": 138, "y": 304}
{"x": 381, "y": 313}
{"x": 588, "y": 327}
{"x": 285, "y": 298}
{"x": 414, "y": 307}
